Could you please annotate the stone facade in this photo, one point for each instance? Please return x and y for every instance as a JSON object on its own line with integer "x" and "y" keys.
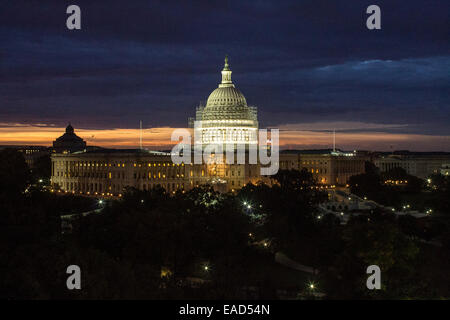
{"x": 327, "y": 167}
{"x": 421, "y": 165}
{"x": 109, "y": 172}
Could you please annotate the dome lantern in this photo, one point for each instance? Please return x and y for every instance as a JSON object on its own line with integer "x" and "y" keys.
{"x": 69, "y": 129}
{"x": 226, "y": 75}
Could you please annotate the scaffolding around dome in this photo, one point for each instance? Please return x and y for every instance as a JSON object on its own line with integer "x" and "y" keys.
{"x": 226, "y": 119}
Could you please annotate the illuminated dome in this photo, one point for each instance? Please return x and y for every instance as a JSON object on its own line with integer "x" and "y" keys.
{"x": 227, "y": 118}
{"x": 227, "y": 96}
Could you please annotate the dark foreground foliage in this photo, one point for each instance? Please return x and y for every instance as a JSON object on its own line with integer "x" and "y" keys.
{"x": 205, "y": 245}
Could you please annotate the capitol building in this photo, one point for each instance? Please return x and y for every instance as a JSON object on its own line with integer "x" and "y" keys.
{"x": 226, "y": 120}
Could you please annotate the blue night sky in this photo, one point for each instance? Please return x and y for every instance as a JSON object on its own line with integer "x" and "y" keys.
{"x": 300, "y": 62}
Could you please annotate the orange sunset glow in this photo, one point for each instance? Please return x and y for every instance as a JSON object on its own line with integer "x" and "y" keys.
{"x": 160, "y": 138}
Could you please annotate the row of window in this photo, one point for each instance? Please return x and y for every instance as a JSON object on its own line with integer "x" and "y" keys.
{"x": 314, "y": 162}
{"x": 60, "y": 164}
{"x": 98, "y": 188}
{"x": 118, "y": 175}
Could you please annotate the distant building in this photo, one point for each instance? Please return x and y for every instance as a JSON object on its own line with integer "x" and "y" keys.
{"x": 69, "y": 142}
{"x": 419, "y": 164}
{"x": 30, "y": 153}
{"x": 33, "y": 153}
{"x": 327, "y": 167}
{"x": 445, "y": 169}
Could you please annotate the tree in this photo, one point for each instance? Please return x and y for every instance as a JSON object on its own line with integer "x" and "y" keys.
{"x": 42, "y": 168}
{"x": 375, "y": 242}
{"x": 14, "y": 173}
{"x": 413, "y": 185}
{"x": 294, "y": 179}
{"x": 289, "y": 210}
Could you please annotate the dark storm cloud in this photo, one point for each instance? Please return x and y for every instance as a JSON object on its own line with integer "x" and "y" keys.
{"x": 298, "y": 61}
